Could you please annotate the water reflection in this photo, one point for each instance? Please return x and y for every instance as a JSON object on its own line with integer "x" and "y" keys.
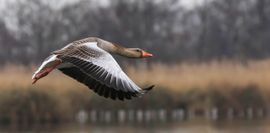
{"x": 200, "y": 126}
{"x": 166, "y": 115}
{"x": 156, "y": 121}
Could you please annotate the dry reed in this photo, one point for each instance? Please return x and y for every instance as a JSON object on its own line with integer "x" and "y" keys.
{"x": 220, "y": 75}
{"x": 12, "y": 76}
{"x": 178, "y": 77}
{"x": 198, "y": 84}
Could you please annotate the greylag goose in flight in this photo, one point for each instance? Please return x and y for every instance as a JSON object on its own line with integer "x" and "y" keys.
{"x": 89, "y": 61}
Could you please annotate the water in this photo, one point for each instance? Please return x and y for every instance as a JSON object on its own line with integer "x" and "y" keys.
{"x": 179, "y": 127}
{"x": 155, "y": 121}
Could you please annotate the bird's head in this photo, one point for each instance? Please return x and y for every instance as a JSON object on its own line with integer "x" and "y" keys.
{"x": 137, "y": 53}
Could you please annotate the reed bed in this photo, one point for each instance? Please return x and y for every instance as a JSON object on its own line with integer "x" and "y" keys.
{"x": 220, "y": 75}
{"x": 178, "y": 77}
{"x": 12, "y": 76}
{"x": 223, "y": 84}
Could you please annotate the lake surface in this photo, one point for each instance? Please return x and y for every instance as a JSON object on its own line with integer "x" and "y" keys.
{"x": 180, "y": 127}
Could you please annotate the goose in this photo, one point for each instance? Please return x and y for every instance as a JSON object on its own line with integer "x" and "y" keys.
{"x": 89, "y": 61}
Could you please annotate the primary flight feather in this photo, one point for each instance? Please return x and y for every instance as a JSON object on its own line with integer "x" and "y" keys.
{"x": 89, "y": 61}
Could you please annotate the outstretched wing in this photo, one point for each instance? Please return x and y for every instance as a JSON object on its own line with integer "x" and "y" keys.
{"x": 98, "y": 70}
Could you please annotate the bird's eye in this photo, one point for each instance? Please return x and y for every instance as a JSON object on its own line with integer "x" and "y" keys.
{"x": 138, "y": 50}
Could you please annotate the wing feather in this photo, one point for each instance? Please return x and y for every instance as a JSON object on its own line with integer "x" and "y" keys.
{"x": 99, "y": 72}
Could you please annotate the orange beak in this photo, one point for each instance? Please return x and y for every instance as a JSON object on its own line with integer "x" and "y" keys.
{"x": 145, "y": 54}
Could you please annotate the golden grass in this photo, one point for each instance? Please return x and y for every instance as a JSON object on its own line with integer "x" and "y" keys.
{"x": 12, "y": 76}
{"x": 220, "y": 75}
{"x": 178, "y": 77}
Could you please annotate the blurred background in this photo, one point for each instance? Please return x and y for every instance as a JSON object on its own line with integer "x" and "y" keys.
{"x": 211, "y": 66}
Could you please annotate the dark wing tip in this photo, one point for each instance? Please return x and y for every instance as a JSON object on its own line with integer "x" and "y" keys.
{"x": 148, "y": 88}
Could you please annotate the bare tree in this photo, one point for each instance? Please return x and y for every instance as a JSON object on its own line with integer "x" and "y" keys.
{"x": 216, "y": 30}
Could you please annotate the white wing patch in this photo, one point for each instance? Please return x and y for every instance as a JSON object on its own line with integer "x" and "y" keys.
{"x": 107, "y": 62}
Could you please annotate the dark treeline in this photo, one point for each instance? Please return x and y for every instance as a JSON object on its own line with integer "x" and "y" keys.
{"x": 215, "y": 30}
{"x": 40, "y": 106}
